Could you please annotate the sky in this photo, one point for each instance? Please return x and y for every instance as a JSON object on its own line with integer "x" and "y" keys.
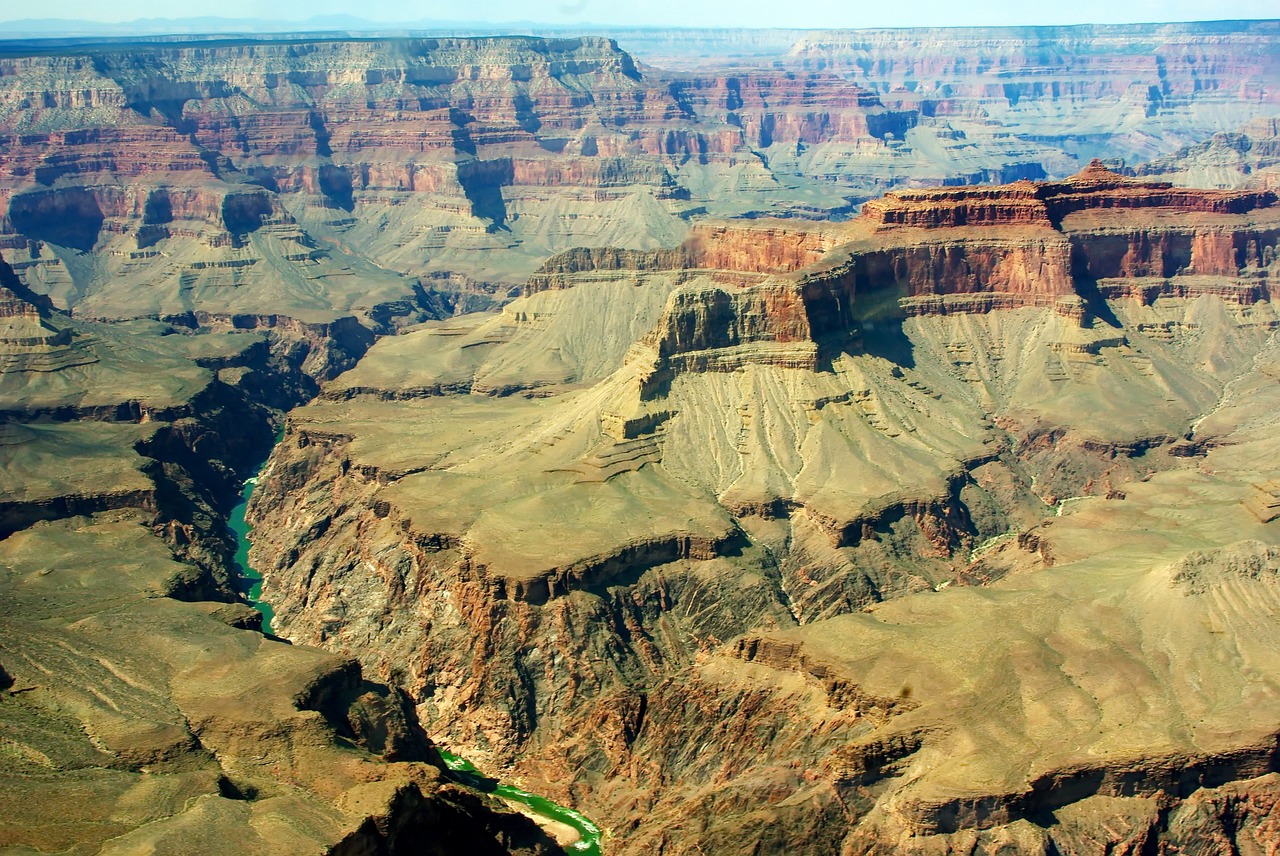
{"x": 678, "y": 13}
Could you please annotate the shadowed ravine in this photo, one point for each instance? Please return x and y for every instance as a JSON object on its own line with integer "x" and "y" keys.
{"x": 249, "y": 583}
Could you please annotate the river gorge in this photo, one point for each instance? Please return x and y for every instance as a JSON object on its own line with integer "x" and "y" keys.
{"x": 852, "y": 442}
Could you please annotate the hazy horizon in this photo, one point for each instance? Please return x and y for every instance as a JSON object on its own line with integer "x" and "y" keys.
{"x": 802, "y": 14}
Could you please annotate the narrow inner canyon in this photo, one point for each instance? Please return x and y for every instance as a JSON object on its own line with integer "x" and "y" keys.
{"x": 855, "y": 442}
{"x": 566, "y": 825}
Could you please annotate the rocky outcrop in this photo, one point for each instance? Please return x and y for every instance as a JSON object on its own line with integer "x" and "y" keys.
{"x": 1048, "y": 203}
{"x": 781, "y": 293}
{"x": 208, "y": 171}
{"x": 1017, "y": 204}
{"x": 739, "y": 253}
{"x": 723, "y": 581}
{"x": 559, "y": 271}
{"x": 31, "y": 338}
{"x": 758, "y": 247}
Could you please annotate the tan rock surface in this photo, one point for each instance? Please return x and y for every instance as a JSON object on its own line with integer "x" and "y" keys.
{"x": 141, "y": 708}
{"x": 141, "y": 724}
{"x": 716, "y": 595}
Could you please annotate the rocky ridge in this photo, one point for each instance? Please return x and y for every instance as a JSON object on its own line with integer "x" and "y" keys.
{"x": 401, "y": 178}
{"x": 141, "y": 707}
{"x": 701, "y": 539}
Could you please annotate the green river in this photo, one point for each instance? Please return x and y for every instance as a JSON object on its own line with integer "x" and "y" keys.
{"x": 249, "y": 583}
{"x": 588, "y": 842}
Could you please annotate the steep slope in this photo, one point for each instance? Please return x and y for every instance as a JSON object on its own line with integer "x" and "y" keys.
{"x": 1249, "y": 157}
{"x": 141, "y": 707}
{"x": 393, "y": 180}
{"x": 622, "y": 535}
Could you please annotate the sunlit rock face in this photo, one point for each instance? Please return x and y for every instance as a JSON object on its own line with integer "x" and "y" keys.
{"x": 253, "y": 169}
{"x": 258, "y": 165}
{"x": 790, "y": 529}
{"x": 759, "y": 510}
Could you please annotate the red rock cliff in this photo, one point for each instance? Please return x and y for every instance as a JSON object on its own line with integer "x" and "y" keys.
{"x": 949, "y": 250}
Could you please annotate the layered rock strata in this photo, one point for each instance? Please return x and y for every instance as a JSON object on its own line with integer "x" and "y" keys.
{"x": 723, "y": 548}
{"x": 194, "y": 168}
{"x": 336, "y": 176}
{"x": 141, "y": 707}
{"x": 1062, "y": 244}
{"x": 1008, "y": 75}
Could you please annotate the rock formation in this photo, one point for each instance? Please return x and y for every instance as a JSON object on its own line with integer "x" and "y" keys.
{"x": 1006, "y": 74}
{"x": 393, "y": 180}
{"x": 745, "y": 542}
{"x": 1249, "y": 157}
{"x": 141, "y": 707}
{"x": 734, "y": 522}
{"x": 241, "y": 166}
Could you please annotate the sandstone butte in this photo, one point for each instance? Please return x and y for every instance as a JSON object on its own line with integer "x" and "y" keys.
{"x": 945, "y": 528}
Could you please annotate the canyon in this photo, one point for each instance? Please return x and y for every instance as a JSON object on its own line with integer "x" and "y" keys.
{"x": 262, "y": 177}
{"x": 756, "y": 561}
{"x": 861, "y": 442}
{"x": 143, "y": 710}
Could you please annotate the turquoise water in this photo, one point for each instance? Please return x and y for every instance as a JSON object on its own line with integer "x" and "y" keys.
{"x": 248, "y": 581}
{"x": 589, "y": 842}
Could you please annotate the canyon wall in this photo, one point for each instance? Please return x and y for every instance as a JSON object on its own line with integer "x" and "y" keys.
{"x": 717, "y": 582}
{"x": 1060, "y": 244}
{"x": 269, "y": 174}
{"x": 1246, "y": 157}
{"x": 995, "y": 71}
{"x": 249, "y": 160}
